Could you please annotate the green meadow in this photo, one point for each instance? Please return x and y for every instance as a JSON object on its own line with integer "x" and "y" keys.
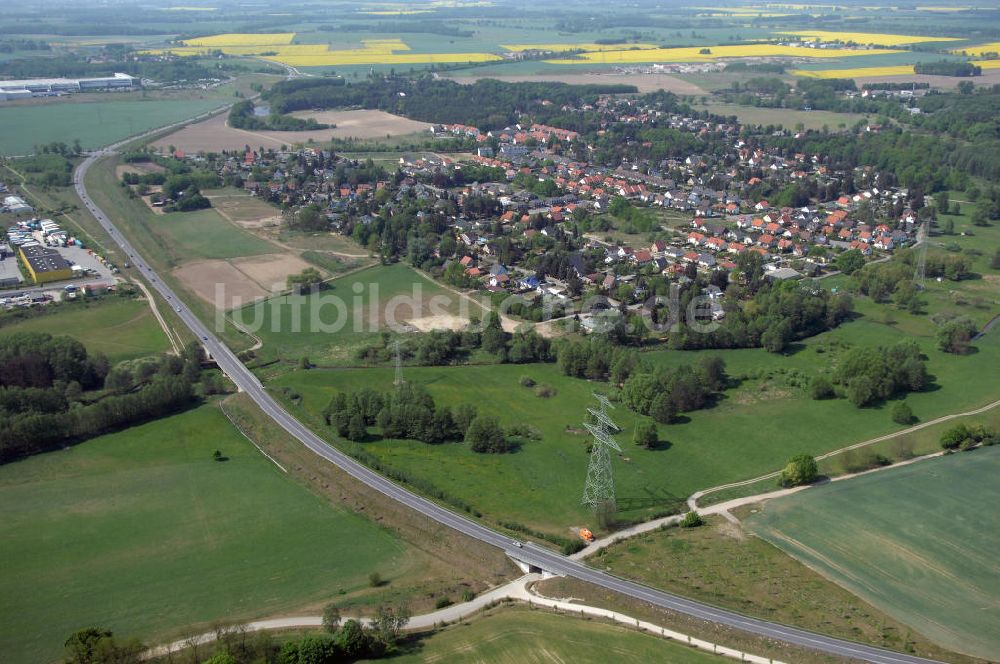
{"x": 142, "y": 532}
{"x": 122, "y": 329}
{"x": 752, "y": 430}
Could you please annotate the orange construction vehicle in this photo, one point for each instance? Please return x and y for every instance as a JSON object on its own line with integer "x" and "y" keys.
{"x": 586, "y": 535}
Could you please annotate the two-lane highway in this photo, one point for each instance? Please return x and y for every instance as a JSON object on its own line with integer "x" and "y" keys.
{"x": 547, "y": 560}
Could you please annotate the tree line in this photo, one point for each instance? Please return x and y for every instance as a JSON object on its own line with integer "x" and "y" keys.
{"x": 948, "y": 68}
{"x": 49, "y": 391}
{"x": 444, "y": 347}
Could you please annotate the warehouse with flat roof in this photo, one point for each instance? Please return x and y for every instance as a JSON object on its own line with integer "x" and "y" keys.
{"x": 18, "y": 88}
{"x": 45, "y": 264}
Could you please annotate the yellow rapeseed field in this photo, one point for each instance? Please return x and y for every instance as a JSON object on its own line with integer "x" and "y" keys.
{"x": 864, "y": 37}
{"x": 693, "y": 54}
{"x": 980, "y": 49}
{"x": 899, "y": 70}
{"x": 988, "y": 64}
{"x": 237, "y": 39}
{"x": 372, "y": 51}
{"x": 573, "y": 47}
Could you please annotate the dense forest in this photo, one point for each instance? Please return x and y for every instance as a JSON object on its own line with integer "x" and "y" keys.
{"x": 486, "y": 104}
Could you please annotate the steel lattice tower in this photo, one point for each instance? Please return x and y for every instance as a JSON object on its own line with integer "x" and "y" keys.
{"x": 919, "y": 271}
{"x": 599, "y": 489}
{"x": 399, "y": 364}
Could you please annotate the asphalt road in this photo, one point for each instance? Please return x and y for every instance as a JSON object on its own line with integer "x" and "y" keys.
{"x": 543, "y": 558}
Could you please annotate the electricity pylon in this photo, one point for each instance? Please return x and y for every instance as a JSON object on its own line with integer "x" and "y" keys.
{"x": 399, "y": 365}
{"x": 919, "y": 271}
{"x": 599, "y": 489}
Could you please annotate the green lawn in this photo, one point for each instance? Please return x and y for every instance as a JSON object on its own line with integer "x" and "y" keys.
{"x": 95, "y": 123}
{"x": 205, "y": 234}
{"x": 121, "y": 328}
{"x": 239, "y": 205}
{"x": 143, "y": 533}
{"x": 351, "y": 313}
{"x": 168, "y": 240}
{"x": 753, "y": 429}
{"x": 536, "y": 637}
{"x": 918, "y": 542}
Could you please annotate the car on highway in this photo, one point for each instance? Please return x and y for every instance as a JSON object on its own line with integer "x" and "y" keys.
{"x": 519, "y": 545}
{"x": 178, "y": 309}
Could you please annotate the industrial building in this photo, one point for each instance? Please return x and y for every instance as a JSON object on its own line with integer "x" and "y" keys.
{"x": 10, "y": 275}
{"x": 19, "y": 89}
{"x": 16, "y": 205}
{"x": 45, "y": 265}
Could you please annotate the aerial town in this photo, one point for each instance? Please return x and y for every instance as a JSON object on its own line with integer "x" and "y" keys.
{"x": 475, "y": 331}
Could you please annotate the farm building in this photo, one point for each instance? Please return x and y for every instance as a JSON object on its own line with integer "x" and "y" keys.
{"x": 45, "y": 264}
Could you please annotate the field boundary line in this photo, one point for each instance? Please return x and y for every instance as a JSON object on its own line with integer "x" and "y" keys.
{"x": 693, "y": 500}
{"x": 229, "y": 417}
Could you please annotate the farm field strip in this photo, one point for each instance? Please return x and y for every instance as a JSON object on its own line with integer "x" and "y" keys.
{"x": 694, "y": 54}
{"x": 979, "y": 50}
{"x": 572, "y": 47}
{"x": 243, "y": 39}
{"x": 917, "y": 542}
{"x": 896, "y": 70}
{"x": 278, "y": 48}
{"x": 880, "y": 39}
